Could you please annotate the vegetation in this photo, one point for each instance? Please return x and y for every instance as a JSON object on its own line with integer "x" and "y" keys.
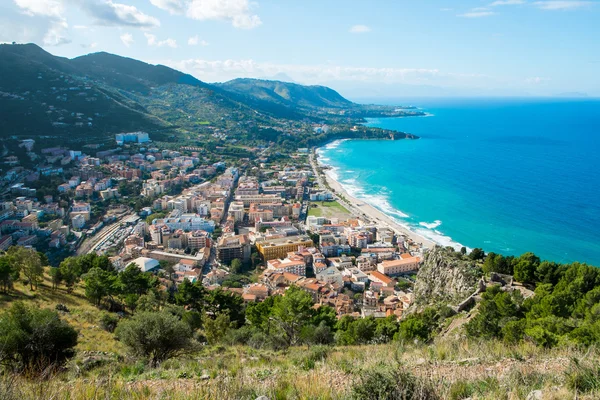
{"x": 34, "y": 340}
{"x": 189, "y": 332}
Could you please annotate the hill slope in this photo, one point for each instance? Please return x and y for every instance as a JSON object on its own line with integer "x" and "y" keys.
{"x": 287, "y": 94}
{"x": 97, "y": 95}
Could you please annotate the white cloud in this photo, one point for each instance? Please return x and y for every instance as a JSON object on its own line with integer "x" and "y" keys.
{"x": 127, "y": 39}
{"x": 507, "y": 3}
{"x": 160, "y": 43}
{"x": 562, "y": 5}
{"x": 48, "y": 8}
{"x": 172, "y": 6}
{"x": 360, "y": 29}
{"x": 222, "y": 70}
{"x": 238, "y": 12}
{"x": 195, "y": 41}
{"x": 107, "y": 13}
{"x": 56, "y": 35}
{"x": 53, "y": 10}
{"x": 477, "y": 14}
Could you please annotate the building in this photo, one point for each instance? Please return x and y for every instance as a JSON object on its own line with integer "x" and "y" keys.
{"x": 197, "y": 240}
{"x": 381, "y": 279}
{"x": 294, "y": 265}
{"x": 131, "y": 137}
{"x": 146, "y": 264}
{"x": 187, "y": 222}
{"x": 78, "y": 221}
{"x": 5, "y": 242}
{"x": 279, "y": 248}
{"x": 331, "y": 275}
{"x": 232, "y": 247}
{"x": 406, "y": 263}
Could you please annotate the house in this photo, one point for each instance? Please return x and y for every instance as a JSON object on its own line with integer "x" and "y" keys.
{"x": 383, "y": 280}
{"x": 332, "y": 276}
{"x": 406, "y": 263}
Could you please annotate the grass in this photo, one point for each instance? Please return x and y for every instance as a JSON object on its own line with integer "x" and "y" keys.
{"x": 328, "y": 209}
{"x": 82, "y": 315}
{"x": 467, "y": 370}
{"x": 453, "y": 367}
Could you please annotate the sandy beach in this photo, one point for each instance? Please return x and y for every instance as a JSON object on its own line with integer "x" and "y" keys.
{"x": 360, "y": 208}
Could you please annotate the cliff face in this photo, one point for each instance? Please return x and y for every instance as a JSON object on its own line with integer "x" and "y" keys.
{"x": 445, "y": 277}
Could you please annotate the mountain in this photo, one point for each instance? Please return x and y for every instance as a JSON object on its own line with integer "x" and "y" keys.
{"x": 92, "y": 97}
{"x": 286, "y": 93}
{"x": 99, "y": 94}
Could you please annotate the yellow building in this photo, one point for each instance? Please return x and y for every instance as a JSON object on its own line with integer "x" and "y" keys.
{"x": 279, "y": 248}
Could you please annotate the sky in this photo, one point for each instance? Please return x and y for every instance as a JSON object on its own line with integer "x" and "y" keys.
{"x": 383, "y": 48}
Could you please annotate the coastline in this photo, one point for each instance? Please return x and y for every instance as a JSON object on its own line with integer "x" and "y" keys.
{"x": 358, "y": 207}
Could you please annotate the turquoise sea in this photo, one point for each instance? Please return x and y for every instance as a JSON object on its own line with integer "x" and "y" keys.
{"x": 506, "y": 175}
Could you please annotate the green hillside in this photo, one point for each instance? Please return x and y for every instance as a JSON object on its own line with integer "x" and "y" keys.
{"x": 287, "y": 94}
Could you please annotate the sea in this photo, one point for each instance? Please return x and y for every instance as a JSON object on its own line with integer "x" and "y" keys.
{"x": 506, "y": 175}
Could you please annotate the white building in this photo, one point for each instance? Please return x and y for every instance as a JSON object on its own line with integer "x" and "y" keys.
{"x": 146, "y": 264}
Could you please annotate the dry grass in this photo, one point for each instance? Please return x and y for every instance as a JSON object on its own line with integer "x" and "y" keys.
{"x": 457, "y": 368}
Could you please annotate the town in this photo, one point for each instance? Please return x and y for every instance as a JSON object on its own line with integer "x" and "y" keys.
{"x": 253, "y": 227}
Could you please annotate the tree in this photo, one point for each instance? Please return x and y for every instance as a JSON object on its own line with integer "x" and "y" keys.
{"x": 236, "y": 266}
{"x": 70, "y": 271}
{"x": 525, "y": 267}
{"x": 8, "y": 273}
{"x": 55, "y": 276}
{"x": 28, "y": 262}
{"x": 190, "y": 294}
{"x": 99, "y": 284}
{"x": 219, "y": 301}
{"x": 215, "y": 329}
{"x": 156, "y": 335}
{"x": 476, "y": 254}
{"x": 133, "y": 281}
{"x": 35, "y": 338}
{"x": 291, "y": 312}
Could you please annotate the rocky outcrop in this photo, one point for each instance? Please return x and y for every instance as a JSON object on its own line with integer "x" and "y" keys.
{"x": 446, "y": 277}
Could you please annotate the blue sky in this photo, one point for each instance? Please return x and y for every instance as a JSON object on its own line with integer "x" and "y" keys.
{"x": 382, "y": 48}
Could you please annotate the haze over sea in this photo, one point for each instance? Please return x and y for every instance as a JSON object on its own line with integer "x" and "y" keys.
{"x": 506, "y": 175}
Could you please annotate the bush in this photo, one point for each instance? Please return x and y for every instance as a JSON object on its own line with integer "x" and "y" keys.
{"x": 385, "y": 383}
{"x": 583, "y": 378}
{"x": 156, "y": 335}
{"x": 61, "y": 307}
{"x": 35, "y": 339}
{"x": 109, "y": 322}
{"x": 308, "y": 359}
{"x": 460, "y": 390}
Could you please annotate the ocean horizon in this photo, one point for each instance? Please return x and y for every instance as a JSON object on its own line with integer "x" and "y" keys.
{"x": 508, "y": 175}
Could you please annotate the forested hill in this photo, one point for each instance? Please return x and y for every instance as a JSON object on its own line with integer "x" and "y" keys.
{"x": 97, "y": 95}
{"x": 287, "y": 94}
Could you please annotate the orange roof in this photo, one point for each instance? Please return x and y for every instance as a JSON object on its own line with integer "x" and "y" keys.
{"x": 381, "y": 277}
{"x": 404, "y": 261}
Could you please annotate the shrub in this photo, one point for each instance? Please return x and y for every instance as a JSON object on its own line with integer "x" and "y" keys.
{"x": 308, "y": 359}
{"x": 156, "y": 335}
{"x": 109, "y": 322}
{"x": 34, "y": 338}
{"x": 460, "y": 390}
{"x": 61, "y": 307}
{"x": 385, "y": 383}
{"x": 583, "y": 378}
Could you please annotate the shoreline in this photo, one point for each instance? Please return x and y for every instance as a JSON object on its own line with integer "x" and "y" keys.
{"x": 358, "y": 207}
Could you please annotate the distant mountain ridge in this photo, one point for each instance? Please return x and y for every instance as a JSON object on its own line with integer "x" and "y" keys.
{"x": 98, "y": 94}
{"x": 286, "y": 93}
